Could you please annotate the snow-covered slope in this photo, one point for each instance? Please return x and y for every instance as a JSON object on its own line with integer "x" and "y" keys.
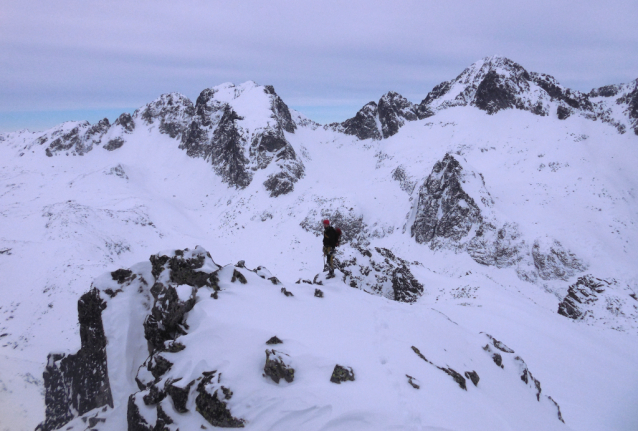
{"x": 505, "y": 221}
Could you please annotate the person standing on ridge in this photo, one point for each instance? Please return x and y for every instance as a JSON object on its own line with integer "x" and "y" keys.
{"x": 331, "y": 237}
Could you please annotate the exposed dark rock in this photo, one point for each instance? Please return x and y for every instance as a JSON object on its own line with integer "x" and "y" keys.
{"x": 574, "y": 99}
{"x": 364, "y": 124}
{"x": 279, "y": 184}
{"x": 166, "y": 319}
{"x": 379, "y": 271}
{"x": 405, "y": 286}
{"x": 277, "y": 366}
{"x": 158, "y": 365}
{"x": 498, "y": 359}
{"x": 178, "y": 394}
{"x": 560, "y": 415}
{"x": 584, "y": 292}
{"x": 123, "y": 275}
{"x": 493, "y": 94}
{"x": 165, "y": 322}
{"x": 274, "y": 340}
{"x": 274, "y": 280}
{"x": 412, "y": 382}
{"x": 154, "y": 396}
{"x": 184, "y": 271}
{"x": 211, "y": 402}
{"x": 342, "y": 374}
{"x": 407, "y": 183}
{"x": 563, "y": 112}
{"x": 553, "y": 261}
{"x": 134, "y": 418}
{"x": 114, "y": 144}
{"x": 437, "y": 92}
{"x": 75, "y": 384}
{"x": 458, "y": 378}
{"x": 318, "y": 293}
{"x": 382, "y": 120}
{"x": 241, "y": 264}
{"x": 162, "y": 420}
{"x": 285, "y": 292}
{"x": 527, "y": 377}
{"x": 473, "y": 376}
{"x": 173, "y": 111}
{"x": 499, "y": 345}
{"x": 606, "y": 91}
{"x": 238, "y": 276}
{"x": 126, "y": 121}
{"x": 394, "y": 110}
{"x": 227, "y": 154}
{"x": 443, "y": 208}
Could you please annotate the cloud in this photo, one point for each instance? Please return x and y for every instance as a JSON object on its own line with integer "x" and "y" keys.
{"x": 73, "y": 55}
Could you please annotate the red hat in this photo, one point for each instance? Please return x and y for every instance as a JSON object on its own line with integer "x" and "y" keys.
{"x": 326, "y": 222}
{"x": 338, "y": 230}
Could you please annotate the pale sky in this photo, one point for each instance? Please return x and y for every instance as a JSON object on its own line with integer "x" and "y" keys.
{"x": 81, "y": 59}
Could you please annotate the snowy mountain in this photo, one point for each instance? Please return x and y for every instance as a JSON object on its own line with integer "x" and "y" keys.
{"x": 489, "y": 245}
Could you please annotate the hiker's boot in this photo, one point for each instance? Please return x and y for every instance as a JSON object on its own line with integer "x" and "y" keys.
{"x": 331, "y": 274}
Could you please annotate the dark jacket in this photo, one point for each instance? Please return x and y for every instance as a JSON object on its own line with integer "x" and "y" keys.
{"x": 330, "y": 237}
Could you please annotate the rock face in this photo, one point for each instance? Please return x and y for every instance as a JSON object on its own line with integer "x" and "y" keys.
{"x": 454, "y": 210}
{"x": 379, "y": 271}
{"x": 76, "y": 384}
{"x": 172, "y": 113}
{"x": 236, "y": 145}
{"x": 382, "y": 120}
{"x": 616, "y": 102}
{"x": 582, "y": 293}
{"x": 596, "y": 300}
{"x": 553, "y": 261}
{"x": 444, "y": 209}
{"x": 73, "y": 138}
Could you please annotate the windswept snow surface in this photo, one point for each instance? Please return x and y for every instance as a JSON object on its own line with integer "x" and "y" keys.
{"x": 66, "y": 220}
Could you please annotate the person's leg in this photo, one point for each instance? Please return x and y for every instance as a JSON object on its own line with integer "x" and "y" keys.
{"x": 331, "y": 256}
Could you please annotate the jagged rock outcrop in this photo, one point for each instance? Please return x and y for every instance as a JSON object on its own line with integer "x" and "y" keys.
{"x": 172, "y": 113}
{"x": 74, "y": 138}
{"x": 618, "y": 101}
{"x": 516, "y": 363}
{"x": 458, "y": 378}
{"x": 553, "y": 261}
{"x": 238, "y": 145}
{"x": 342, "y": 374}
{"x": 236, "y": 148}
{"x": 186, "y": 381}
{"x": 212, "y": 402}
{"x": 75, "y": 384}
{"x": 383, "y": 119}
{"x": 363, "y": 125}
{"x": 582, "y": 293}
{"x": 379, "y": 271}
{"x": 599, "y": 301}
{"x": 454, "y": 210}
{"x": 496, "y": 83}
{"x": 278, "y": 366}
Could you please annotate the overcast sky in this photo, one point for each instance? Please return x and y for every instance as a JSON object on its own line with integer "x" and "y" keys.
{"x": 73, "y": 60}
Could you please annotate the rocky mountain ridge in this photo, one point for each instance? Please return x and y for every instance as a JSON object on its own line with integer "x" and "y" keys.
{"x": 179, "y": 384}
{"x": 491, "y": 85}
